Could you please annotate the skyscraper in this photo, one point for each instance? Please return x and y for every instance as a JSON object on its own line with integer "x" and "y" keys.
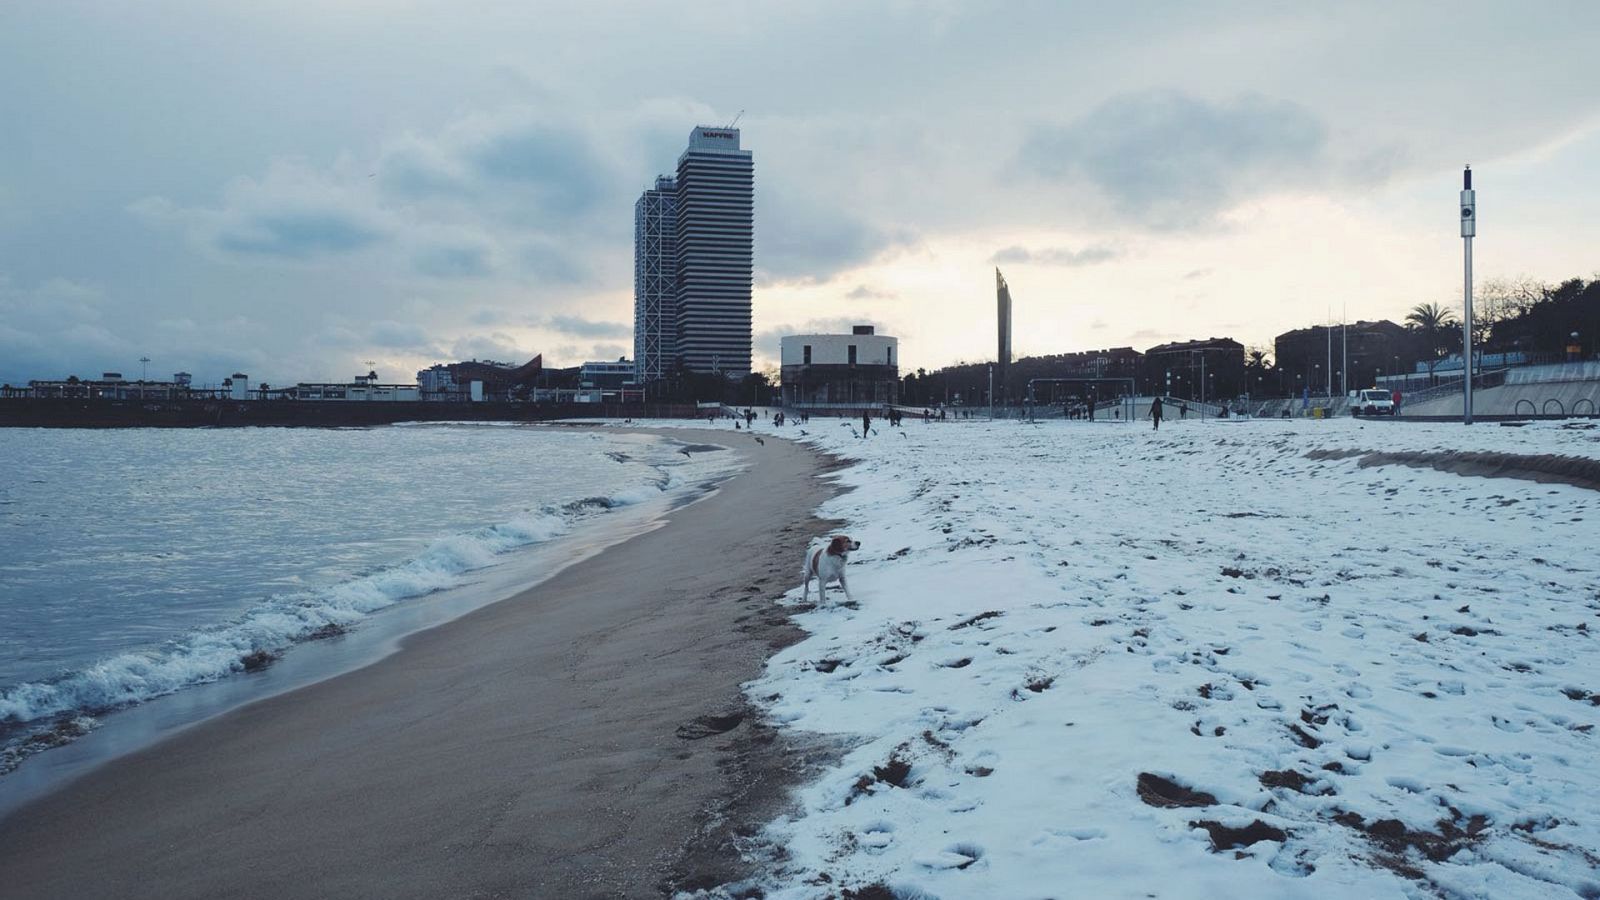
{"x": 655, "y": 281}
{"x": 715, "y": 225}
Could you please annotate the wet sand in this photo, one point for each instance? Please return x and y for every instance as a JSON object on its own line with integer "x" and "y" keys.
{"x": 585, "y": 738}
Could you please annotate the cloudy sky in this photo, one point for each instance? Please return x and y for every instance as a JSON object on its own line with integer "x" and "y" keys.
{"x": 291, "y": 187}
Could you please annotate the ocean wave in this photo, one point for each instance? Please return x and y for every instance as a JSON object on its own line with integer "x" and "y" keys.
{"x": 34, "y": 712}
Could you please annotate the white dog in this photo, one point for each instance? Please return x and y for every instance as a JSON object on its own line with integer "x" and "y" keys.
{"x": 827, "y": 564}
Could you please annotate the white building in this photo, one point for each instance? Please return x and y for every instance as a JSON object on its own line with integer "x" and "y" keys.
{"x": 856, "y": 370}
{"x": 610, "y": 375}
{"x": 362, "y": 388}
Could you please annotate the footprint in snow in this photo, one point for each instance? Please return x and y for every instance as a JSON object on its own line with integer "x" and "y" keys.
{"x": 956, "y": 856}
{"x": 876, "y": 836}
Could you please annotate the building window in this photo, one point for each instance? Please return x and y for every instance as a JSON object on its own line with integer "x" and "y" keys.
{"x": 888, "y": 355}
{"x": 852, "y": 354}
{"x": 807, "y": 354}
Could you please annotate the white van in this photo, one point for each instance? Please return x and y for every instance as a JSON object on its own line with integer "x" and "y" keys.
{"x": 1371, "y": 402}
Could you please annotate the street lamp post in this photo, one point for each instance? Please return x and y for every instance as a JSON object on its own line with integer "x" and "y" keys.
{"x": 1469, "y": 229}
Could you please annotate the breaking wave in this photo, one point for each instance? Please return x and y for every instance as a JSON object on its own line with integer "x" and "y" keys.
{"x": 40, "y": 714}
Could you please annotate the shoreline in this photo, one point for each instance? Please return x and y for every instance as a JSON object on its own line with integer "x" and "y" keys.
{"x": 572, "y": 740}
{"x": 32, "y": 766}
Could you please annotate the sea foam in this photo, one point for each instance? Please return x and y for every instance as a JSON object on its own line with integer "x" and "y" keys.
{"x": 34, "y": 711}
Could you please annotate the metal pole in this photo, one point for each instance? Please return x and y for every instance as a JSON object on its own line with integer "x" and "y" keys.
{"x": 1328, "y": 380}
{"x": 991, "y": 393}
{"x": 1469, "y": 228}
{"x": 1344, "y": 351}
{"x": 1466, "y": 338}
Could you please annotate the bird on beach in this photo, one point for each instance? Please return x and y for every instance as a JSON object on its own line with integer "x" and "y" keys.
{"x": 761, "y": 442}
{"x": 685, "y": 452}
{"x": 802, "y": 432}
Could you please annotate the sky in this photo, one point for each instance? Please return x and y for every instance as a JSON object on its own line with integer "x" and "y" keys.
{"x": 290, "y": 188}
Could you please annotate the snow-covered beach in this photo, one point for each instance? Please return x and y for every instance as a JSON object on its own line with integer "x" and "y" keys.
{"x": 1259, "y": 658}
{"x": 1222, "y": 659}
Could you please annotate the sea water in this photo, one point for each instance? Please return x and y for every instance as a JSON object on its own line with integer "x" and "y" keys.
{"x": 138, "y": 563}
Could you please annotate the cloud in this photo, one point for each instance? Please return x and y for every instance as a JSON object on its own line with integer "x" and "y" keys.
{"x": 862, "y": 292}
{"x": 489, "y": 187}
{"x": 293, "y": 212}
{"x": 297, "y": 234}
{"x": 513, "y": 165}
{"x": 1168, "y": 160}
{"x": 48, "y": 329}
{"x": 552, "y": 263}
{"x": 1200, "y": 273}
{"x": 804, "y": 241}
{"x": 497, "y": 346}
{"x": 1057, "y": 256}
{"x": 61, "y": 327}
{"x": 577, "y": 326}
{"x": 453, "y": 261}
{"x": 401, "y": 336}
{"x": 557, "y": 163}
{"x": 412, "y": 168}
{"x": 384, "y": 335}
{"x": 608, "y": 352}
{"x": 1150, "y": 336}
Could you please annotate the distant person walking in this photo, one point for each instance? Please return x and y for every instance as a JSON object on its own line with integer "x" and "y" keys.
{"x": 866, "y": 425}
{"x": 1183, "y": 410}
{"x": 1396, "y": 399}
{"x": 1155, "y": 412}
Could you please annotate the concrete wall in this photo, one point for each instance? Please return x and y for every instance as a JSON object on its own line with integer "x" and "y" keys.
{"x": 1569, "y": 397}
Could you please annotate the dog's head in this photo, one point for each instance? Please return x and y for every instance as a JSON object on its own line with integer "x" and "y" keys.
{"x": 841, "y": 545}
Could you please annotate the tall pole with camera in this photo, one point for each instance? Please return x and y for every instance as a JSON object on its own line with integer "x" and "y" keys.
{"x": 1469, "y": 228}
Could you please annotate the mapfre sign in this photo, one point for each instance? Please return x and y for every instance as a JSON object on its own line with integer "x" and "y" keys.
{"x": 725, "y": 135}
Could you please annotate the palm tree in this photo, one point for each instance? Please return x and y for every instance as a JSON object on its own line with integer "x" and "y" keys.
{"x": 1432, "y": 323}
{"x": 1430, "y": 317}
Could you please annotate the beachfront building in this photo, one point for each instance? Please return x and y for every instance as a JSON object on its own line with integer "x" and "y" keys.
{"x": 1316, "y": 356}
{"x": 1210, "y": 369}
{"x": 715, "y": 223}
{"x": 609, "y": 375}
{"x": 110, "y": 386}
{"x": 472, "y": 380}
{"x": 363, "y": 388}
{"x": 859, "y": 370}
{"x": 655, "y": 281}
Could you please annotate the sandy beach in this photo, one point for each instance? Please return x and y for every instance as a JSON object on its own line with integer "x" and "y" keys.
{"x": 581, "y": 739}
